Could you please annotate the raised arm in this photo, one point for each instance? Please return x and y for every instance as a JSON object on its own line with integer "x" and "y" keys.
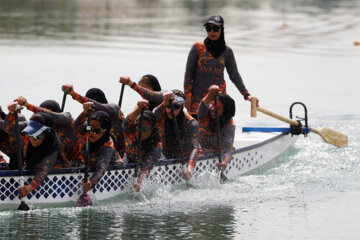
{"x": 128, "y": 124}
{"x": 9, "y": 123}
{"x": 159, "y": 111}
{"x": 63, "y": 118}
{"x": 69, "y": 89}
{"x": 152, "y": 96}
{"x": 204, "y": 110}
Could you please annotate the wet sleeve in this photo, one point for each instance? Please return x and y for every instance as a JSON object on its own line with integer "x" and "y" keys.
{"x": 159, "y": 112}
{"x": 79, "y": 123}
{"x": 194, "y": 142}
{"x": 63, "y": 118}
{"x": 81, "y": 99}
{"x": 110, "y": 108}
{"x": 102, "y": 164}
{"x": 203, "y": 111}
{"x": 154, "y": 156}
{"x": 233, "y": 72}
{"x": 228, "y": 139}
{"x": 190, "y": 71}
{"x": 128, "y": 126}
{"x": 35, "y": 109}
{"x": 152, "y": 96}
{"x": 45, "y": 167}
{"x": 9, "y": 124}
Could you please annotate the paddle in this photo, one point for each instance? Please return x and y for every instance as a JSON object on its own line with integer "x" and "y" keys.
{"x": 121, "y": 94}
{"x": 223, "y": 178}
{"x": 23, "y": 206}
{"x": 176, "y": 129}
{"x": 84, "y": 199}
{"x": 328, "y": 135}
{"x": 63, "y": 101}
{"x": 138, "y": 153}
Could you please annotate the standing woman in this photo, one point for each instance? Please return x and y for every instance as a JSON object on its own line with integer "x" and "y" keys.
{"x": 206, "y": 63}
{"x": 102, "y": 150}
{"x": 150, "y": 151}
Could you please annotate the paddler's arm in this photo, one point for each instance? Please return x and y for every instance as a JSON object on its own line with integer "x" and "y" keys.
{"x": 62, "y": 118}
{"x": 102, "y": 165}
{"x": 152, "y": 96}
{"x": 69, "y": 89}
{"x": 45, "y": 167}
{"x": 193, "y": 129}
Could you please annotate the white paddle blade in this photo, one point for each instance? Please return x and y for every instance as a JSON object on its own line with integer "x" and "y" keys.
{"x": 333, "y": 137}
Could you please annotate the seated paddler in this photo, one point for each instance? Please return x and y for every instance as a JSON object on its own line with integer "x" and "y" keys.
{"x": 208, "y": 127}
{"x": 102, "y": 150}
{"x": 150, "y": 147}
{"x": 41, "y": 147}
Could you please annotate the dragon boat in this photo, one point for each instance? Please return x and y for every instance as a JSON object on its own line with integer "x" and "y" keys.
{"x": 253, "y": 150}
{"x": 255, "y": 147}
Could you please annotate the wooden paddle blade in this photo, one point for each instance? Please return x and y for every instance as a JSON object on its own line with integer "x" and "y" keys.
{"x": 83, "y": 201}
{"x": 331, "y": 136}
{"x": 23, "y": 206}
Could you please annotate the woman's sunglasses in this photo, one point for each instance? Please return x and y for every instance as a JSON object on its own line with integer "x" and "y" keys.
{"x": 215, "y": 28}
{"x": 144, "y": 128}
{"x": 40, "y": 136}
{"x": 97, "y": 130}
{"x": 176, "y": 106}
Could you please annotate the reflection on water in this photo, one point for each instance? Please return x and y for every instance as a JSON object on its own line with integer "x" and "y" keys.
{"x": 92, "y": 223}
{"x": 261, "y": 25}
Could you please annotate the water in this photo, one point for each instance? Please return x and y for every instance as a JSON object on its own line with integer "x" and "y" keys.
{"x": 286, "y": 51}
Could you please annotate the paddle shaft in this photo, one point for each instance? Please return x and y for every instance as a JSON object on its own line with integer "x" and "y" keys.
{"x": 23, "y": 205}
{"x": 218, "y": 140}
{"x": 84, "y": 199}
{"x": 121, "y": 94}
{"x": 87, "y": 148}
{"x": 63, "y": 102}
{"x": 284, "y": 119}
{"x": 223, "y": 178}
{"x": 328, "y": 135}
{"x": 138, "y": 153}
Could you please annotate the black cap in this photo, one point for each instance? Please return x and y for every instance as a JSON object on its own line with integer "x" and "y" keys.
{"x": 215, "y": 19}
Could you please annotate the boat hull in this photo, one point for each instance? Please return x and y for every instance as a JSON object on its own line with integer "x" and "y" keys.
{"x": 63, "y": 185}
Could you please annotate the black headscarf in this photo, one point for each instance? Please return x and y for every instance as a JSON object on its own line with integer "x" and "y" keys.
{"x": 3, "y": 134}
{"x": 34, "y": 155}
{"x": 2, "y": 114}
{"x": 105, "y": 123}
{"x": 51, "y": 105}
{"x": 228, "y": 111}
{"x": 154, "y": 83}
{"x": 217, "y": 47}
{"x": 97, "y": 95}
